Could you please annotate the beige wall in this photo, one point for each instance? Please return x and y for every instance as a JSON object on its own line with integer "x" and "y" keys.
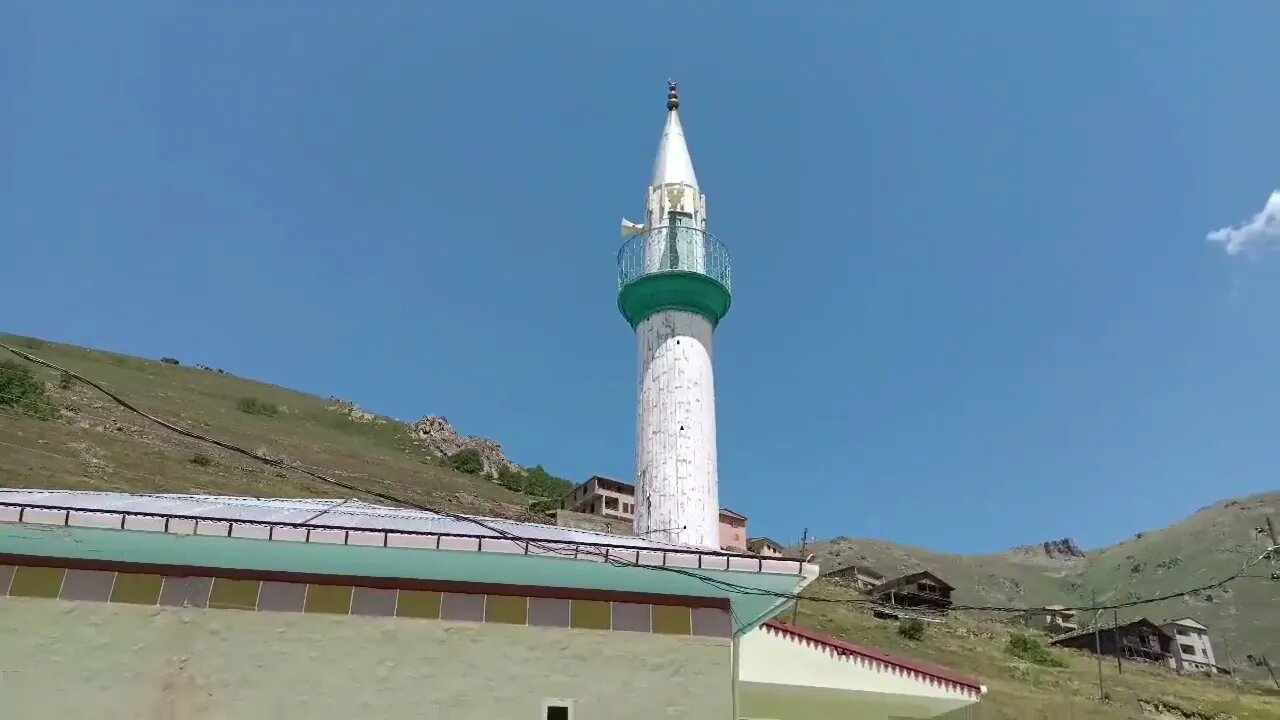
{"x": 594, "y": 523}
{"x": 103, "y": 661}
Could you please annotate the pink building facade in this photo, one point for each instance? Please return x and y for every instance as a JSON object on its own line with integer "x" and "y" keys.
{"x": 616, "y": 499}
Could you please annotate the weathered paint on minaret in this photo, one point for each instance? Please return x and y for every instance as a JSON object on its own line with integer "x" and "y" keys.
{"x": 677, "y": 484}
{"x": 674, "y": 289}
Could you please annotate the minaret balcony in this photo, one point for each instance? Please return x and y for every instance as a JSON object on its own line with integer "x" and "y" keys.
{"x": 673, "y": 267}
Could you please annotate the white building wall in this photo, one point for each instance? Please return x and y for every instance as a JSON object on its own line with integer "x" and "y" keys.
{"x": 1199, "y": 641}
{"x": 677, "y": 497}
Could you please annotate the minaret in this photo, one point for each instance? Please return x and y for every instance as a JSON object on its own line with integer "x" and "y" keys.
{"x": 673, "y": 287}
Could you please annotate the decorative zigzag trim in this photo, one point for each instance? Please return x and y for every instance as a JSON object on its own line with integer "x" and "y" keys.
{"x": 851, "y": 653}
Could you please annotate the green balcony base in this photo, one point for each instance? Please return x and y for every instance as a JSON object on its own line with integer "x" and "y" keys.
{"x": 673, "y": 290}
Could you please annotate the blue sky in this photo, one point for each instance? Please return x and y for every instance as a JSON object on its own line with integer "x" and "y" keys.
{"x": 975, "y": 305}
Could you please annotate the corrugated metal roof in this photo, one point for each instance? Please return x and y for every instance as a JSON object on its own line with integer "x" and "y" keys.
{"x": 348, "y": 514}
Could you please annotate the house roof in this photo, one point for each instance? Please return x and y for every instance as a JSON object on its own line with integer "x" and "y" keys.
{"x": 840, "y": 647}
{"x": 1187, "y": 622}
{"x": 1108, "y": 627}
{"x": 327, "y": 513}
{"x": 765, "y": 540}
{"x": 727, "y": 511}
{"x": 859, "y": 569}
{"x": 607, "y": 479}
{"x": 911, "y": 577}
{"x": 349, "y": 538}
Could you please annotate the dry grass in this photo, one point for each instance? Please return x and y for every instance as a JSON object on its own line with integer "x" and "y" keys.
{"x": 94, "y": 444}
{"x": 1021, "y": 691}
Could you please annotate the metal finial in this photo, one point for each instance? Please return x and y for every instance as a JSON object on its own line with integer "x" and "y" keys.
{"x": 673, "y": 96}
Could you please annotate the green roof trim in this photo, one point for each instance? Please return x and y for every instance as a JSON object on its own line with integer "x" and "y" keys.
{"x": 674, "y": 290}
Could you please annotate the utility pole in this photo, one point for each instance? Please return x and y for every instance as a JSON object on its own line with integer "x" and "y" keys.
{"x": 1267, "y": 663}
{"x": 1097, "y": 645}
{"x": 804, "y": 548}
{"x": 1115, "y": 638}
{"x": 1235, "y": 681}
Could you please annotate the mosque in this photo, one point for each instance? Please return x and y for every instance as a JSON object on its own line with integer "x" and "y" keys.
{"x": 185, "y": 606}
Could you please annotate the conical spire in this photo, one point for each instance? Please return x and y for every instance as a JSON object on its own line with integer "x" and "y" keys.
{"x": 673, "y": 164}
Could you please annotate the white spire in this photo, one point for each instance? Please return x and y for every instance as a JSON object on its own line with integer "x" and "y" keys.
{"x": 673, "y": 197}
{"x": 673, "y": 164}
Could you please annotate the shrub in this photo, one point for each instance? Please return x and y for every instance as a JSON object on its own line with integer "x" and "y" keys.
{"x": 543, "y": 505}
{"x": 1025, "y": 647}
{"x": 467, "y": 461}
{"x": 911, "y": 629}
{"x": 170, "y": 361}
{"x": 23, "y": 391}
{"x": 201, "y": 459}
{"x": 254, "y": 406}
{"x": 534, "y": 481}
{"x": 66, "y": 380}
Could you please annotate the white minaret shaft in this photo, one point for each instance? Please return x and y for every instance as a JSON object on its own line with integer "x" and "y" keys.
{"x": 677, "y": 483}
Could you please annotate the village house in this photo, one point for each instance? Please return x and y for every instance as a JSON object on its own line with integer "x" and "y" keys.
{"x": 1191, "y": 646}
{"x": 1138, "y": 640}
{"x": 764, "y": 546}
{"x": 916, "y": 591}
{"x": 858, "y": 577}
{"x": 615, "y": 499}
{"x": 1182, "y": 645}
{"x": 1051, "y": 620}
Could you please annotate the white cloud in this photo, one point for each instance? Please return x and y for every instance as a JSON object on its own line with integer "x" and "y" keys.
{"x": 1263, "y": 228}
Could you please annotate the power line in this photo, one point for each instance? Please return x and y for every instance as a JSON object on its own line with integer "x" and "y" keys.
{"x": 792, "y": 596}
{"x": 717, "y": 583}
{"x": 713, "y": 582}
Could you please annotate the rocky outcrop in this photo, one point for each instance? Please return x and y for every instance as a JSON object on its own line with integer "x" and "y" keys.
{"x": 1064, "y": 548}
{"x": 435, "y": 435}
{"x": 353, "y": 412}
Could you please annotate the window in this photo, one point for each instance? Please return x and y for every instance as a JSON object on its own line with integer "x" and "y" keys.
{"x": 1187, "y": 649}
{"x": 557, "y": 709}
{"x": 611, "y": 503}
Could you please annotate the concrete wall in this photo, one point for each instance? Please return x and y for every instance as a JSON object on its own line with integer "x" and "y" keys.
{"x": 1201, "y": 659}
{"x": 733, "y": 533}
{"x": 103, "y": 661}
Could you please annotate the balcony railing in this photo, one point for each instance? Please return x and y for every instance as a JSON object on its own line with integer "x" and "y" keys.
{"x": 673, "y": 248}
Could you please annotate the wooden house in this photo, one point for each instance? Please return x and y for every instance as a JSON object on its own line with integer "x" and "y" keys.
{"x": 1139, "y": 639}
{"x": 921, "y": 590}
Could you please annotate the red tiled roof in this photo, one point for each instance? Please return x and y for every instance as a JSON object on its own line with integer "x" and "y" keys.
{"x": 841, "y": 647}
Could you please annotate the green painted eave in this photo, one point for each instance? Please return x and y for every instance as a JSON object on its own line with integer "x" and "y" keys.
{"x": 674, "y": 290}
{"x": 159, "y": 548}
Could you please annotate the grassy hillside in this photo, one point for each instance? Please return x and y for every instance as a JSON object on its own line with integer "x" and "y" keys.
{"x": 90, "y": 442}
{"x": 1209, "y": 545}
{"x": 1020, "y": 690}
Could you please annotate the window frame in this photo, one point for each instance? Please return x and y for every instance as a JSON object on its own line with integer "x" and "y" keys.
{"x": 571, "y": 706}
